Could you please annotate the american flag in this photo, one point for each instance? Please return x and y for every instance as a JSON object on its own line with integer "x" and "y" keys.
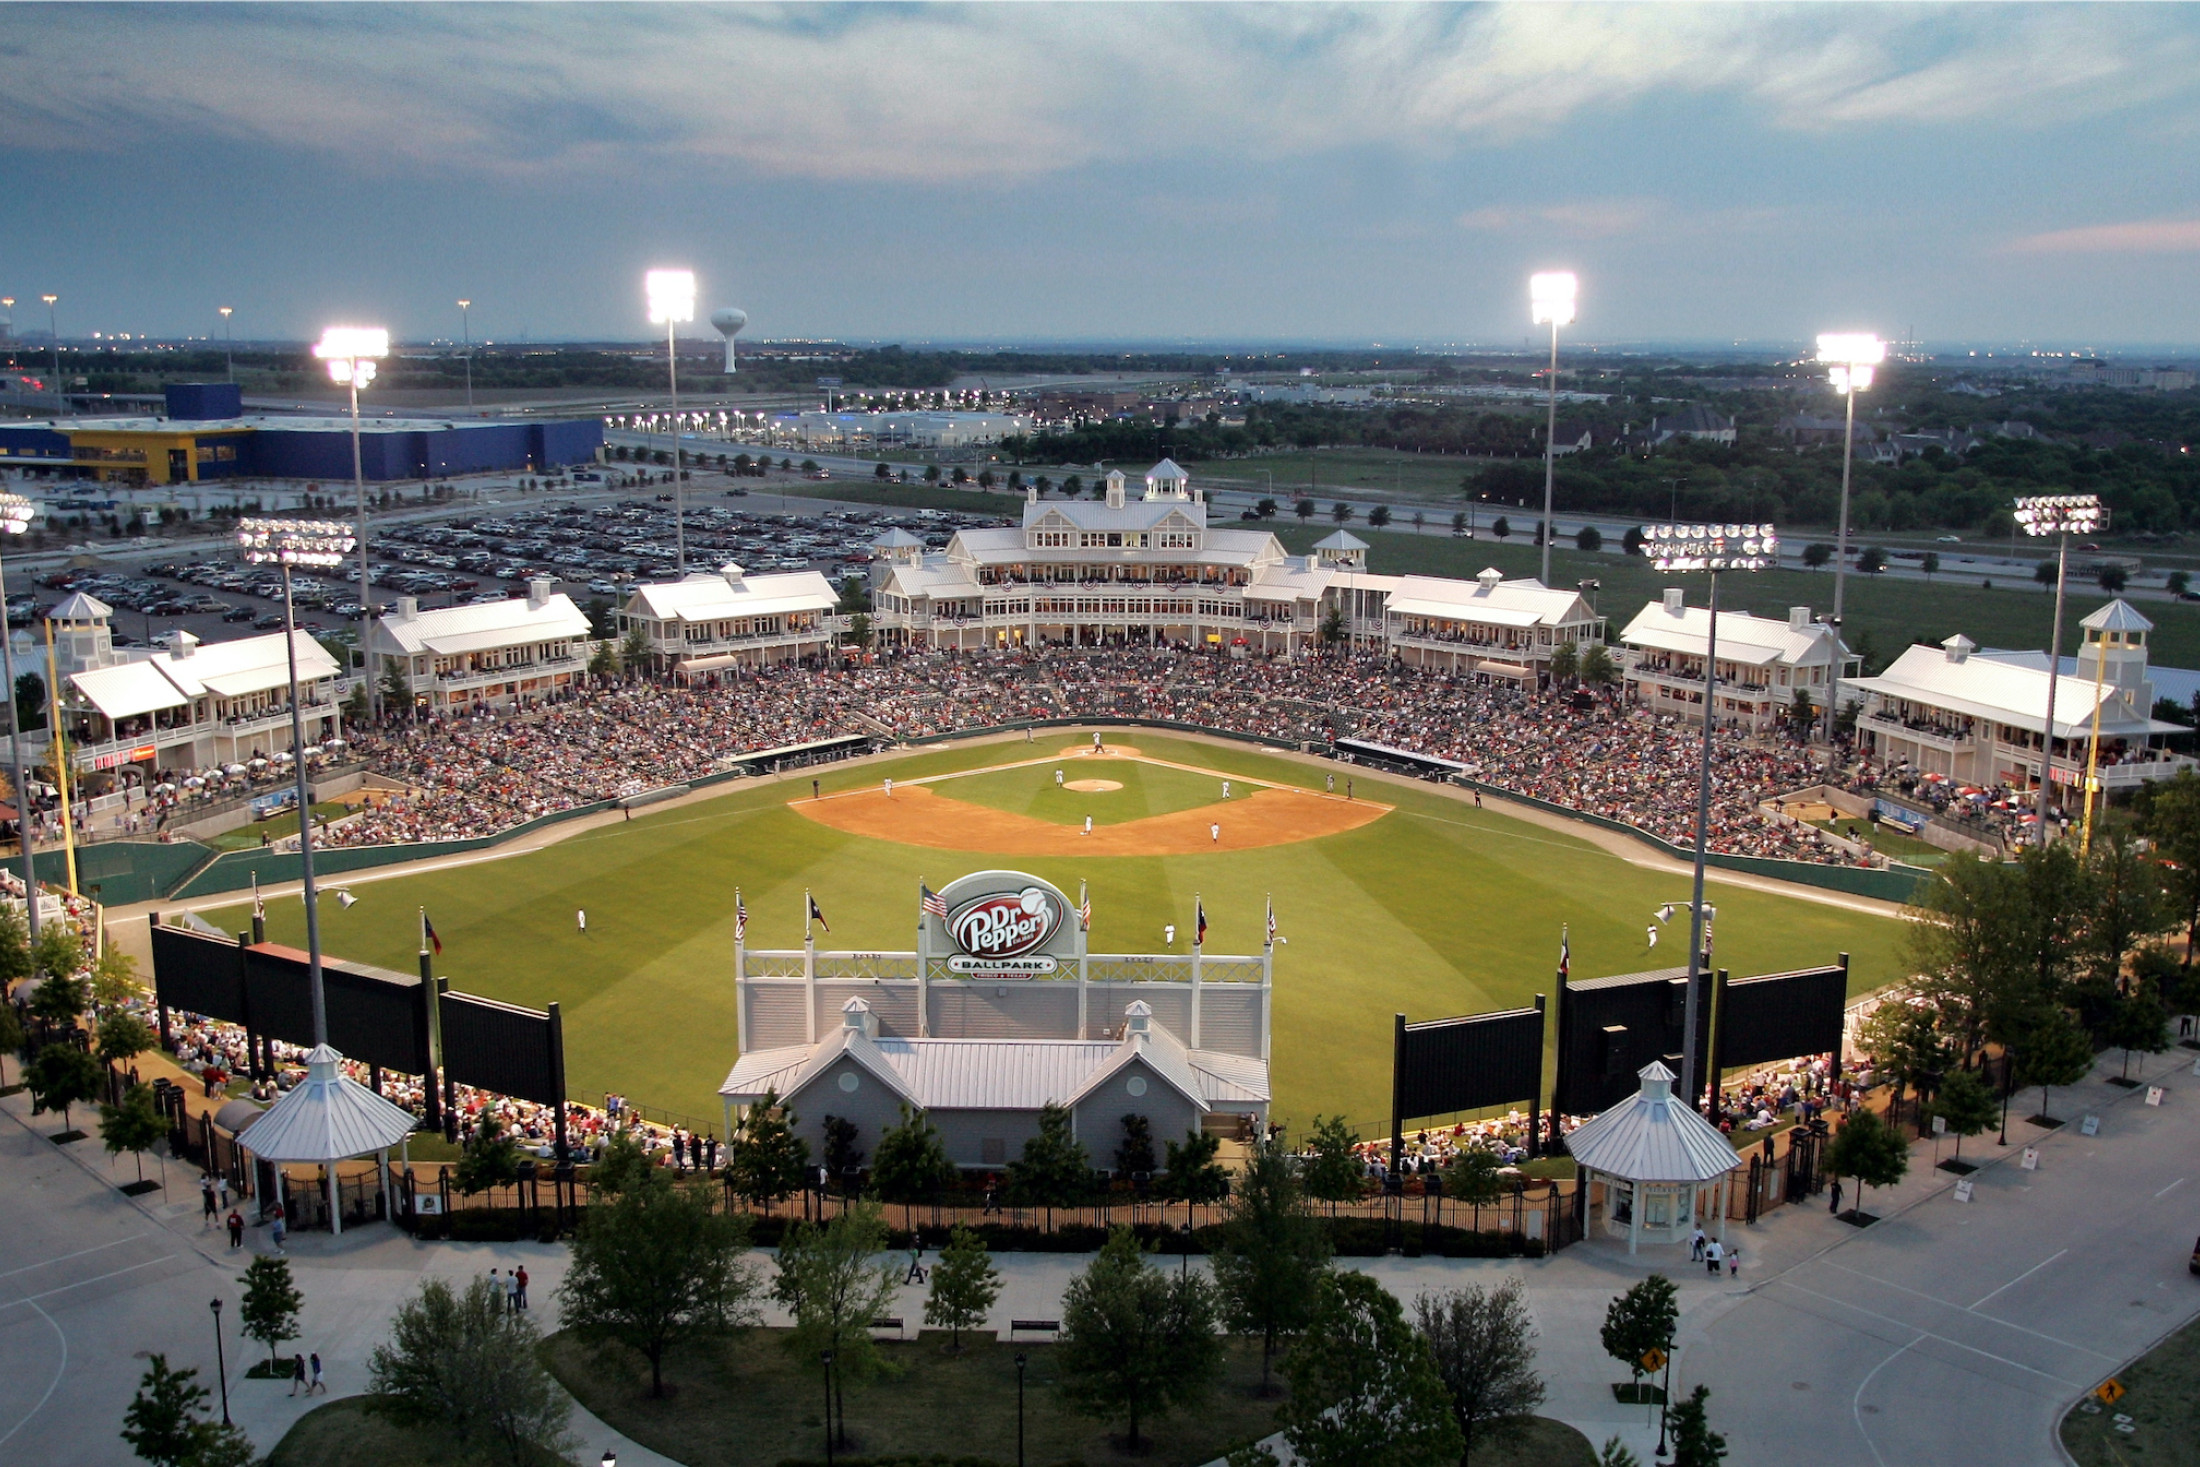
{"x": 1271, "y": 921}
{"x": 1565, "y": 955}
{"x": 1084, "y": 911}
{"x": 931, "y": 901}
{"x": 1199, "y": 925}
{"x": 740, "y": 918}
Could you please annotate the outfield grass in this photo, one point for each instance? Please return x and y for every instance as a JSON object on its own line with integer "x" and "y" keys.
{"x": 1436, "y": 909}
{"x": 1148, "y": 789}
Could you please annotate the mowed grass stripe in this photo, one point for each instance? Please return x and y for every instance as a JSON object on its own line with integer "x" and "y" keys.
{"x": 1433, "y": 910}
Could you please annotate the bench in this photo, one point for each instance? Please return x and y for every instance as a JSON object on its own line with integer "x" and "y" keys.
{"x": 1907, "y": 827}
{"x": 1034, "y": 1327}
{"x": 891, "y": 1321}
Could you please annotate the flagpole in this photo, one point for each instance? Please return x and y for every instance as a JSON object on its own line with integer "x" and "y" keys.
{"x": 1267, "y": 977}
{"x": 809, "y": 971}
{"x": 740, "y": 977}
{"x": 1084, "y": 957}
{"x": 924, "y": 964}
{"x": 1199, "y": 943}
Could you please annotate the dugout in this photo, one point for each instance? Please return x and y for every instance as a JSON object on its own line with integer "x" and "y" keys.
{"x": 1398, "y": 761}
{"x": 799, "y": 756}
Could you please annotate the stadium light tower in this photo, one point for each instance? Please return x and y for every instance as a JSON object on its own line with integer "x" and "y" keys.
{"x": 351, "y": 352}
{"x": 1850, "y": 357}
{"x": 1715, "y": 549}
{"x": 53, "y": 330}
{"x": 288, "y": 543}
{"x": 2060, "y": 515}
{"x": 672, "y": 300}
{"x": 15, "y": 518}
{"x": 1551, "y": 302}
{"x": 466, "y": 336}
{"x": 229, "y": 354}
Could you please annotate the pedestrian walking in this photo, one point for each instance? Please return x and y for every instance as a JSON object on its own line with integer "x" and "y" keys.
{"x": 207, "y": 1210}
{"x": 511, "y": 1291}
{"x": 1695, "y": 1247}
{"x": 1712, "y": 1256}
{"x": 236, "y": 1231}
{"x": 314, "y": 1381}
{"x": 277, "y": 1228}
{"x": 1835, "y": 1205}
{"x": 298, "y": 1373}
{"x": 519, "y": 1287}
{"x": 1734, "y": 1261}
{"x": 581, "y": 916}
{"x": 496, "y": 1292}
{"x": 916, "y": 1274}
{"x": 221, "y": 1184}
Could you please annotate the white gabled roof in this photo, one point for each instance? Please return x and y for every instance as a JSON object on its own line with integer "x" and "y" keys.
{"x": 1521, "y": 603}
{"x": 225, "y": 669}
{"x": 720, "y": 597}
{"x": 1340, "y": 540}
{"x": 80, "y": 607}
{"x": 128, "y": 689}
{"x": 1652, "y": 1137}
{"x": 327, "y": 1117}
{"x": 1756, "y": 641}
{"x": 2118, "y": 616}
{"x": 1098, "y": 514}
{"x": 449, "y": 631}
{"x": 2011, "y": 689}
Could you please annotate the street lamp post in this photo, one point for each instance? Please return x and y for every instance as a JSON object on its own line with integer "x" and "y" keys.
{"x": 1714, "y": 549}
{"x": 351, "y": 352}
{"x": 1850, "y": 357}
{"x": 1019, "y": 1408}
{"x": 288, "y": 543}
{"x": 221, "y": 1358}
{"x": 2060, "y": 515}
{"x": 53, "y": 332}
{"x": 15, "y": 518}
{"x": 229, "y": 352}
{"x": 466, "y": 335}
{"x": 825, "y": 1358}
{"x": 1551, "y": 302}
{"x": 672, "y": 300}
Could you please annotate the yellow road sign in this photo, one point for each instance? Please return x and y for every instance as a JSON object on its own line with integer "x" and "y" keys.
{"x": 1653, "y": 1360}
{"x": 2109, "y": 1391}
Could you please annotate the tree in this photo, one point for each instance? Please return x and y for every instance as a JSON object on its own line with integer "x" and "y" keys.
{"x": 1869, "y": 1150}
{"x": 164, "y": 1426}
{"x": 1334, "y": 1171}
{"x": 490, "y": 1158}
{"x": 1365, "y": 1391}
{"x": 1483, "y": 1343}
{"x": 2178, "y": 582}
{"x": 1304, "y": 509}
{"x": 1379, "y": 516}
{"x": 1473, "y": 1177}
{"x": 62, "y": 996}
{"x": 1565, "y": 662}
{"x": 11, "y": 1036}
{"x": 15, "y": 945}
{"x": 1271, "y": 1254}
{"x": 964, "y": 1285}
{"x": 1817, "y": 554}
{"x": 2171, "y": 819}
{"x": 1341, "y": 512}
{"x": 397, "y": 689}
{"x": 1695, "y": 1444}
{"x": 1616, "y": 1454}
{"x": 1052, "y": 1171}
{"x": 2045, "y": 572}
{"x": 1630, "y": 543}
{"x": 2111, "y": 578}
{"x": 1902, "y": 1036}
{"x": 123, "y": 1036}
{"x": 1968, "y": 946}
{"x": 1501, "y": 528}
{"x": 932, "y": 475}
{"x": 2137, "y": 1019}
{"x": 1331, "y": 630}
{"x": 1597, "y": 668}
{"x": 1191, "y": 1172}
{"x": 114, "y": 980}
{"x": 842, "y": 1155}
{"x": 1802, "y": 713}
{"x": 269, "y": 1312}
{"x": 132, "y": 1126}
{"x": 912, "y": 1162}
{"x": 1136, "y": 1341}
{"x": 30, "y": 701}
{"x": 1871, "y": 561}
{"x": 603, "y": 663}
{"x": 462, "y": 1362}
{"x": 859, "y": 631}
{"x": 2057, "y": 1051}
{"x": 828, "y": 1283}
{"x": 1639, "y": 1321}
{"x": 764, "y": 1157}
{"x": 61, "y": 1078}
{"x": 654, "y": 1265}
{"x": 1966, "y": 1104}
{"x": 1266, "y": 509}
{"x": 1135, "y": 1156}
{"x": 1589, "y": 539}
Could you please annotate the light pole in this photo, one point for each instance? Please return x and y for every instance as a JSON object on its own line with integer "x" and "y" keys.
{"x": 825, "y": 1358}
{"x": 53, "y": 331}
{"x": 672, "y": 300}
{"x": 1850, "y": 357}
{"x": 2060, "y": 515}
{"x": 229, "y": 353}
{"x": 466, "y": 335}
{"x": 15, "y": 518}
{"x": 1713, "y": 549}
{"x": 1551, "y": 302}
{"x": 351, "y": 352}
{"x": 288, "y": 543}
{"x": 221, "y": 1359}
{"x": 1019, "y": 1408}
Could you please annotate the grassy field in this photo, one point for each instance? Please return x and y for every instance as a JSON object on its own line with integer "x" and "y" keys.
{"x": 2162, "y": 1408}
{"x": 246, "y": 837}
{"x": 1888, "y": 841}
{"x": 1435, "y": 909}
{"x": 1148, "y": 789}
{"x": 344, "y": 1433}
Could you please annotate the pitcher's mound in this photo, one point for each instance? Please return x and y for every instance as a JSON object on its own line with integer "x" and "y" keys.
{"x": 1093, "y": 786}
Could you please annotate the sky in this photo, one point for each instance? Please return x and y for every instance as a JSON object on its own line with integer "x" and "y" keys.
{"x": 1200, "y": 173}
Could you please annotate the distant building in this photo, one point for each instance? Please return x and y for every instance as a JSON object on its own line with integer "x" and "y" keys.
{"x": 728, "y": 618}
{"x": 499, "y": 654}
{"x": 1762, "y": 663}
{"x": 1694, "y": 421}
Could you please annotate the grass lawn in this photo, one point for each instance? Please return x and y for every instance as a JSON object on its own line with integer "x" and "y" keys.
{"x": 2161, "y": 1405}
{"x": 748, "y": 1402}
{"x": 1148, "y": 789}
{"x": 1888, "y": 841}
{"x": 344, "y": 1433}
{"x": 1435, "y": 909}
{"x": 247, "y": 837}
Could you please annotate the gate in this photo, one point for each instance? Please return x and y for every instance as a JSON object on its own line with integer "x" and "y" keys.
{"x": 1803, "y": 1179}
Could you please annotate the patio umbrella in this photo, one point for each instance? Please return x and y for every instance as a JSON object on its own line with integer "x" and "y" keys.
{"x": 233, "y": 769}
{"x": 194, "y": 782}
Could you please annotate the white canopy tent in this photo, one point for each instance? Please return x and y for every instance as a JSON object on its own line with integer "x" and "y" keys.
{"x": 1660, "y": 1156}
{"x": 326, "y": 1119}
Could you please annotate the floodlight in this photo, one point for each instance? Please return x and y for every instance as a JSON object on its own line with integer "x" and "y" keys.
{"x": 1711, "y": 547}
{"x": 351, "y": 351}
{"x": 1551, "y": 298}
{"x": 16, "y": 513}
{"x": 295, "y": 542}
{"x": 671, "y": 296}
{"x": 2061, "y": 514}
{"x": 1851, "y": 349}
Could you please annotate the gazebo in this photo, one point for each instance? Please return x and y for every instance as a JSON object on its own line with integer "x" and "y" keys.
{"x": 326, "y": 1119}
{"x": 1658, "y": 1160}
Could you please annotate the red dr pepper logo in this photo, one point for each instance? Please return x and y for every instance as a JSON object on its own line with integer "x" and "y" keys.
{"x": 1005, "y": 924}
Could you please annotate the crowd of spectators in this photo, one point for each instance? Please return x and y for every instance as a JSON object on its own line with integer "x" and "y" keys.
{"x": 475, "y": 774}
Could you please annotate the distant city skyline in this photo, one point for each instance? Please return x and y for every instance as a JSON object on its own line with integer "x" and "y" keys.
{"x": 1204, "y": 176}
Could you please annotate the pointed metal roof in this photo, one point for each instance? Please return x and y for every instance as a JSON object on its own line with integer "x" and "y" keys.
{"x": 1166, "y": 469}
{"x": 328, "y": 1117}
{"x": 80, "y": 607}
{"x": 1340, "y": 540}
{"x": 2118, "y": 616}
{"x": 896, "y": 539}
{"x": 1651, "y": 1137}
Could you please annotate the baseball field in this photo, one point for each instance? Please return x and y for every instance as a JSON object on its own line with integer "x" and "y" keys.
{"x": 1391, "y": 896}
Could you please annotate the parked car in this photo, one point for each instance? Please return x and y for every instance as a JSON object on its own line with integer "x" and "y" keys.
{"x": 274, "y": 623}
{"x": 239, "y": 613}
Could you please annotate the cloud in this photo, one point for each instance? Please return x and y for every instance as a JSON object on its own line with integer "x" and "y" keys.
{"x": 2138, "y": 237}
{"x": 1582, "y": 219}
{"x": 1003, "y": 93}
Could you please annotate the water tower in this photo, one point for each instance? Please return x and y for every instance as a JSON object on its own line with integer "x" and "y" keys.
{"x": 729, "y": 322}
